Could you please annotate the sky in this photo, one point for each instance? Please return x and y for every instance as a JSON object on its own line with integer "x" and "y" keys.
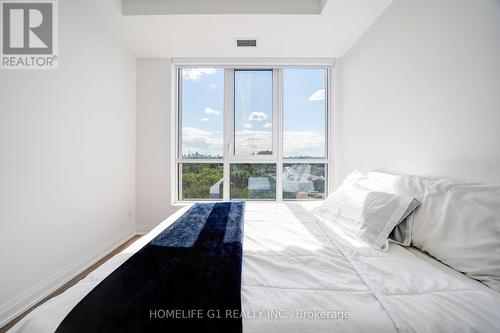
{"x": 202, "y": 97}
{"x": 253, "y": 106}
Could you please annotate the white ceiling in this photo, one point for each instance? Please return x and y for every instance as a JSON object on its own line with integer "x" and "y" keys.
{"x": 327, "y": 35}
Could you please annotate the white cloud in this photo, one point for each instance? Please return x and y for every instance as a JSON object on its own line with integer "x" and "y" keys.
{"x": 213, "y": 86}
{"x": 248, "y": 125}
{"x": 267, "y": 125}
{"x": 204, "y": 119}
{"x": 251, "y": 142}
{"x": 197, "y": 73}
{"x": 257, "y": 116}
{"x": 303, "y": 143}
{"x": 212, "y": 111}
{"x": 190, "y": 134}
{"x": 318, "y": 95}
{"x": 196, "y": 140}
{"x": 296, "y": 143}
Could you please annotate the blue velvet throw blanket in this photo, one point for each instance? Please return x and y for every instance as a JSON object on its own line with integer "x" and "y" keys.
{"x": 187, "y": 279}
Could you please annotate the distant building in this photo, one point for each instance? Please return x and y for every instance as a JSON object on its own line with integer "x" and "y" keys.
{"x": 215, "y": 190}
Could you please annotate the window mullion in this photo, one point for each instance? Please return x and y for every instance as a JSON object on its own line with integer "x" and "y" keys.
{"x": 178, "y": 128}
{"x": 278, "y": 131}
{"x": 228, "y": 128}
{"x": 329, "y": 130}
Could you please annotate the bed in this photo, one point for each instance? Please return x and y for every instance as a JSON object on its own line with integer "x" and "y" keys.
{"x": 300, "y": 274}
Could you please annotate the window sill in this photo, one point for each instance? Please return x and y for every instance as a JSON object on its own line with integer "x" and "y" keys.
{"x": 180, "y": 204}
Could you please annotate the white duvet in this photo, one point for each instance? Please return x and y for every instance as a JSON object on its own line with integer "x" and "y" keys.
{"x": 302, "y": 275}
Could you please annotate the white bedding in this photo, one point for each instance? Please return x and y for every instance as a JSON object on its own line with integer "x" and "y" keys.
{"x": 292, "y": 262}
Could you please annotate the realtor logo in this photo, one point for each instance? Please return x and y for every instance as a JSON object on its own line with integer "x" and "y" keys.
{"x": 29, "y": 34}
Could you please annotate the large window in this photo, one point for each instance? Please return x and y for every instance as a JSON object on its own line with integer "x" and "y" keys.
{"x": 252, "y": 133}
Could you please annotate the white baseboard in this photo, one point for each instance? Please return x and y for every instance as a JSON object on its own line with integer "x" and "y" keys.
{"x": 22, "y": 302}
{"x": 142, "y": 229}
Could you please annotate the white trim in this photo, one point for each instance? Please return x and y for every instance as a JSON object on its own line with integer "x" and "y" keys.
{"x": 18, "y": 304}
{"x": 278, "y": 129}
{"x": 199, "y": 160}
{"x": 332, "y": 130}
{"x": 174, "y": 136}
{"x": 142, "y": 229}
{"x": 181, "y": 204}
{"x": 254, "y": 62}
{"x": 228, "y": 134}
{"x": 275, "y": 113}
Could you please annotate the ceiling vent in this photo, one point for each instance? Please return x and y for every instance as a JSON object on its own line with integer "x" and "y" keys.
{"x": 246, "y": 43}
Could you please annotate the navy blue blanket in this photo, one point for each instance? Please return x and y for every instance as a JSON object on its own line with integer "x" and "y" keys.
{"x": 187, "y": 279}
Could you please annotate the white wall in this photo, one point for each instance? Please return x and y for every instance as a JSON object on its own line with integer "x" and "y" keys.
{"x": 67, "y": 160}
{"x": 153, "y": 142}
{"x": 420, "y": 92}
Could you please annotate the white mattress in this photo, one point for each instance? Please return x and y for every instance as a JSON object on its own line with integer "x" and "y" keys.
{"x": 293, "y": 264}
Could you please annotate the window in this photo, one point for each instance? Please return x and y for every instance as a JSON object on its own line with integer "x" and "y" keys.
{"x": 253, "y": 109}
{"x": 304, "y": 113}
{"x": 253, "y": 181}
{"x": 202, "y": 116}
{"x": 304, "y": 181}
{"x": 201, "y": 181}
{"x": 252, "y": 133}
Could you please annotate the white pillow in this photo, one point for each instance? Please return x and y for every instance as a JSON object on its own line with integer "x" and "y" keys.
{"x": 458, "y": 224}
{"x": 384, "y": 182}
{"x": 364, "y": 214}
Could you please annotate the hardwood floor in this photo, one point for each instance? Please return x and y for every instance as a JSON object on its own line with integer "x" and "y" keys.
{"x": 70, "y": 283}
